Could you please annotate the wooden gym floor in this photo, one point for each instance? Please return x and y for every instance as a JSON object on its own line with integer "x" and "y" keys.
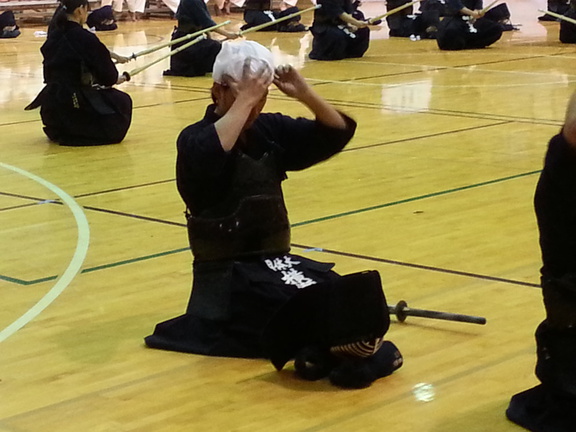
{"x": 435, "y": 191}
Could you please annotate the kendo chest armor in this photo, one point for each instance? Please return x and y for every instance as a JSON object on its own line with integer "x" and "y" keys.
{"x": 250, "y": 220}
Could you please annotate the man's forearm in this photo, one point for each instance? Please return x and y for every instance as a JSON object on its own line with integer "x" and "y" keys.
{"x": 349, "y": 19}
{"x": 231, "y": 124}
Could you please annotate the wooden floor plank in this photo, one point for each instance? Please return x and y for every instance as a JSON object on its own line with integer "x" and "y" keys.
{"x": 435, "y": 192}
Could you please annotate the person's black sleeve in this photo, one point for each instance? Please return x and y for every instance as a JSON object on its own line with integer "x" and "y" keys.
{"x": 97, "y": 58}
{"x": 331, "y": 9}
{"x": 307, "y": 142}
{"x": 454, "y": 5}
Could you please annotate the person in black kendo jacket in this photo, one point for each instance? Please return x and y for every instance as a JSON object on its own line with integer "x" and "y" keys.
{"x": 102, "y": 19}
{"x": 8, "y": 27}
{"x": 251, "y": 297}
{"x": 464, "y": 27}
{"x": 258, "y": 12}
{"x": 339, "y": 31}
{"x": 567, "y": 32}
{"x": 405, "y": 23}
{"x": 197, "y": 59}
{"x": 549, "y": 407}
{"x": 556, "y": 6}
{"x": 79, "y": 105}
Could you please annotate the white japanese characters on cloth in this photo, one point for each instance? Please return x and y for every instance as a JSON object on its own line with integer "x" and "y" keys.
{"x": 286, "y": 267}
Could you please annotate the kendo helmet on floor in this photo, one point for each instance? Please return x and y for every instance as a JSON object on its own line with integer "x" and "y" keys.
{"x": 335, "y": 330}
{"x": 8, "y": 26}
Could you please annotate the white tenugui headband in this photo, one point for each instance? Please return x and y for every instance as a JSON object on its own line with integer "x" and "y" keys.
{"x": 233, "y": 55}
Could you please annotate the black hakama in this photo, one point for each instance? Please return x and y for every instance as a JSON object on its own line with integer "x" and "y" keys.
{"x": 454, "y": 33}
{"x": 231, "y": 303}
{"x": 458, "y": 32}
{"x": 8, "y": 27}
{"x": 102, "y": 19}
{"x": 567, "y": 29}
{"x": 78, "y": 105}
{"x": 333, "y": 39}
{"x": 198, "y": 59}
{"x": 258, "y": 12}
{"x": 549, "y": 407}
{"x": 238, "y": 284}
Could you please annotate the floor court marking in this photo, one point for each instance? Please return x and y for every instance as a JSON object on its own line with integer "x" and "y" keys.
{"x": 405, "y": 84}
{"x": 75, "y": 264}
{"x": 297, "y": 224}
{"x": 418, "y": 266}
{"x": 415, "y": 198}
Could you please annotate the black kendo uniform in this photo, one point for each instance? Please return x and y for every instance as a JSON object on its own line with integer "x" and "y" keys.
{"x": 457, "y": 32}
{"x": 333, "y": 40}
{"x": 198, "y": 59}
{"x": 501, "y": 15}
{"x": 8, "y": 27}
{"x": 568, "y": 30}
{"x": 438, "y": 6}
{"x": 102, "y": 19}
{"x": 549, "y": 407}
{"x": 257, "y": 12}
{"x": 78, "y": 105}
{"x": 557, "y": 6}
{"x": 239, "y": 232}
{"x": 405, "y": 23}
